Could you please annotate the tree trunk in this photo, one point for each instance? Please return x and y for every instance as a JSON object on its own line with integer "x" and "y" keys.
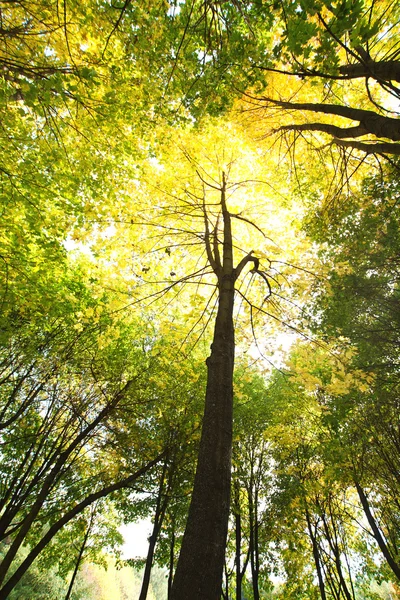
{"x": 68, "y": 516}
{"x": 161, "y": 506}
{"x": 55, "y": 472}
{"x": 225, "y": 586}
{"x": 201, "y": 562}
{"x": 79, "y": 558}
{"x": 238, "y": 544}
{"x": 333, "y": 543}
{"x": 199, "y": 571}
{"x": 171, "y": 562}
{"x": 149, "y": 561}
{"x": 316, "y": 556}
{"x": 376, "y": 532}
{"x": 253, "y": 544}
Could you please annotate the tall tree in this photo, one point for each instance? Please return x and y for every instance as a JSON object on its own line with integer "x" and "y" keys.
{"x": 201, "y": 206}
{"x": 200, "y": 566}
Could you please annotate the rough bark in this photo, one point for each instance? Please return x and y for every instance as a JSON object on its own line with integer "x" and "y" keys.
{"x": 386, "y": 70}
{"x": 200, "y": 566}
{"x": 199, "y": 571}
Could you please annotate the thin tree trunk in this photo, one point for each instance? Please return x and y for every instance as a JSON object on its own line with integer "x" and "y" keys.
{"x": 253, "y": 542}
{"x": 79, "y": 558}
{"x": 333, "y": 544}
{"x": 238, "y": 544}
{"x": 171, "y": 561}
{"x": 149, "y": 561}
{"x": 376, "y": 532}
{"x": 256, "y": 560}
{"x": 315, "y": 551}
{"x": 161, "y": 506}
{"x": 49, "y": 480}
{"x": 225, "y": 587}
{"x": 240, "y": 568}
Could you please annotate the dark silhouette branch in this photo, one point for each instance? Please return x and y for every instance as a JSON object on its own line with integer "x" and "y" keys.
{"x": 370, "y": 148}
{"x": 370, "y": 121}
{"x": 333, "y": 130}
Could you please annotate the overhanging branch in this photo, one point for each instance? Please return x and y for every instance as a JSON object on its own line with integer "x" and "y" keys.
{"x": 370, "y": 148}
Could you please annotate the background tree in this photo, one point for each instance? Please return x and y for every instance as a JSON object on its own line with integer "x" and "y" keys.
{"x": 367, "y": 322}
{"x": 61, "y": 437}
{"x": 251, "y": 484}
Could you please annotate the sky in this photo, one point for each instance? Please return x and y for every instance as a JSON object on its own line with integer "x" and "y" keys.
{"x": 136, "y": 539}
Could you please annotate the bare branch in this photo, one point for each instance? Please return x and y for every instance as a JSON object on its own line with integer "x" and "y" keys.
{"x": 370, "y": 148}
{"x": 334, "y": 130}
{"x": 245, "y": 260}
{"x": 371, "y": 121}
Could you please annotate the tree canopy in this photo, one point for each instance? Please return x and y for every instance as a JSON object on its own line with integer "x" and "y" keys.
{"x": 199, "y": 295}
